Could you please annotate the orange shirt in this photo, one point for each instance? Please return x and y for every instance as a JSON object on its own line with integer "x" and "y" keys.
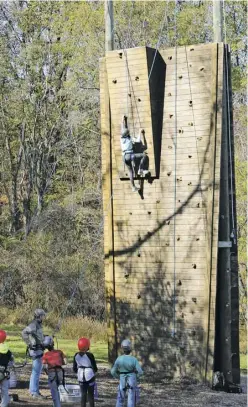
{"x": 53, "y": 358}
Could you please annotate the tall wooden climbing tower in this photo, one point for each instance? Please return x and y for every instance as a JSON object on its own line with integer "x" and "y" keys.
{"x": 170, "y": 264}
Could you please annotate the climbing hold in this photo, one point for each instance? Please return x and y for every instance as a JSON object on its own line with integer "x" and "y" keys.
{"x": 114, "y": 81}
{"x": 126, "y": 275}
{"x": 139, "y": 100}
{"x": 199, "y": 138}
{"x": 179, "y": 179}
{"x": 130, "y": 213}
{"x": 180, "y": 76}
{"x": 202, "y": 68}
{"x": 149, "y": 213}
{"x": 168, "y": 222}
{"x": 194, "y": 299}
{"x": 198, "y": 205}
{"x": 191, "y": 49}
{"x": 190, "y": 103}
{"x": 137, "y": 78}
{"x": 170, "y": 147}
{"x": 139, "y": 254}
{"x": 169, "y": 94}
{"x": 167, "y": 244}
{"x": 192, "y": 363}
{"x": 170, "y": 116}
{"x": 169, "y": 173}
{"x": 191, "y": 124}
{"x": 168, "y": 283}
{"x": 170, "y": 58}
{"x": 189, "y": 183}
{"x": 197, "y": 239}
{"x": 158, "y": 201}
{"x": 120, "y": 54}
{"x": 179, "y": 282}
{"x": 194, "y": 266}
{"x": 178, "y": 238}
{"x": 180, "y": 130}
{"x": 129, "y": 95}
{"x": 190, "y": 65}
{"x": 149, "y": 233}
{"x": 139, "y": 239}
{"x": 138, "y": 296}
{"x": 190, "y": 156}
{"x": 182, "y": 315}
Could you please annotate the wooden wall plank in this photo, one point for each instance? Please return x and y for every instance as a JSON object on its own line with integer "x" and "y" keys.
{"x": 143, "y": 223}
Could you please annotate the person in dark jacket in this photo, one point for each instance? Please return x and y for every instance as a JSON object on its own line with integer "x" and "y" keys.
{"x": 33, "y": 336}
{"x": 84, "y": 365}
{"x": 6, "y": 359}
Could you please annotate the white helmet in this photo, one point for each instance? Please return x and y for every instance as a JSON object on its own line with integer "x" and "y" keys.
{"x": 48, "y": 341}
{"x": 126, "y": 344}
{"x": 39, "y": 312}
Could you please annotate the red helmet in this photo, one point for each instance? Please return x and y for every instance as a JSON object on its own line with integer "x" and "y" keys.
{"x": 83, "y": 344}
{"x": 3, "y": 336}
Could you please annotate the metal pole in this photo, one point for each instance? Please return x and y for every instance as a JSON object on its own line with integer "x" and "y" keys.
{"x": 109, "y": 26}
{"x": 218, "y": 20}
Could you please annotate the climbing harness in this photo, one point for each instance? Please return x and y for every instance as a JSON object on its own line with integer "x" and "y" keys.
{"x": 58, "y": 373}
{"x": 4, "y": 373}
{"x": 122, "y": 393}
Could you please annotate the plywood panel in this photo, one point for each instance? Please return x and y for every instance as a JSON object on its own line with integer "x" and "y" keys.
{"x": 153, "y": 244}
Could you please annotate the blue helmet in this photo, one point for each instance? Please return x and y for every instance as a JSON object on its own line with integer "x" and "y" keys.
{"x": 126, "y": 344}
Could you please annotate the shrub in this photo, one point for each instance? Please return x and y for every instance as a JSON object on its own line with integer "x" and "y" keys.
{"x": 75, "y": 327}
{"x": 243, "y": 339}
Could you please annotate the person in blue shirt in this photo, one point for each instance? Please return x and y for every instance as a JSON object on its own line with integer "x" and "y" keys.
{"x": 127, "y": 368}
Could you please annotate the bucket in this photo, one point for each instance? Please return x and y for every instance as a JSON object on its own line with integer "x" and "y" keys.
{"x": 73, "y": 395}
{"x": 12, "y": 380}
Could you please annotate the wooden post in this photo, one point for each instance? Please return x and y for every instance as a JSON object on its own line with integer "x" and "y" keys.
{"x": 108, "y": 188}
{"x": 218, "y": 20}
{"x": 109, "y": 26}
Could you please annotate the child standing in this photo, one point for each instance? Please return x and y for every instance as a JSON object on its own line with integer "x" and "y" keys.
{"x": 52, "y": 361}
{"x": 84, "y": 365}
{"x": 6, "y": 359}
{"x": 128, "y": 369}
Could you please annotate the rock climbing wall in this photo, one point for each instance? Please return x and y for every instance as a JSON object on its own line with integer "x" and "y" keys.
{"x": 161, "y": 244}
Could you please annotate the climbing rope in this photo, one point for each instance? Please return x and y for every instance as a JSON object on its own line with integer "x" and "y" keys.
{"x": 175, "y": 178}
{"x": 165, "y": 20}
{"x": 198, "y": 159}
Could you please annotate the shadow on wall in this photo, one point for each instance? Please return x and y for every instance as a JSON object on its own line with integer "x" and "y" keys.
{"x": 146, "y": 317}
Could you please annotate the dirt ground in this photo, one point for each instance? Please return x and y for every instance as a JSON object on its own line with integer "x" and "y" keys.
{"x": 162, "y": 394}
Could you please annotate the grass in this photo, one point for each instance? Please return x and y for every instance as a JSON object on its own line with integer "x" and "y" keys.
{"x": 243, "y": 362}
{"x": 68, "y": 346}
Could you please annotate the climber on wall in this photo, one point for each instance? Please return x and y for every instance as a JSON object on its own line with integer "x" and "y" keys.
{"x": 130, "y": 153}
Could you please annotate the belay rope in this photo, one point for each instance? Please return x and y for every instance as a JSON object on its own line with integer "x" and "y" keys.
{"x": 173, "y": 332}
